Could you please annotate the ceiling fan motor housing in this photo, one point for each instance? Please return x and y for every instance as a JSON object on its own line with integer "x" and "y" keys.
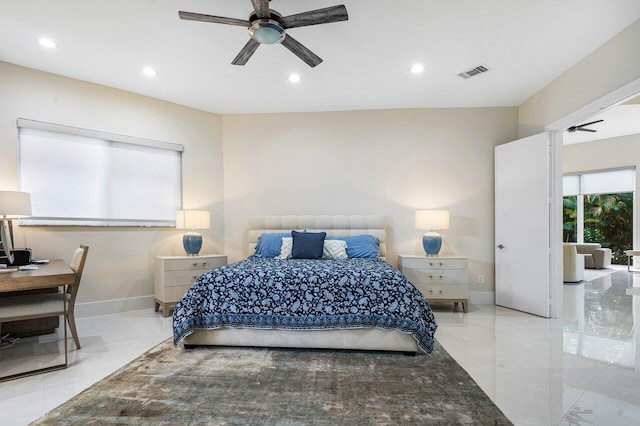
{"x": 267, "y": 31}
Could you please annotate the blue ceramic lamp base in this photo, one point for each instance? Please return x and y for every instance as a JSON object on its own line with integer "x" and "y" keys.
{"x": 432, "y": 242}
{"x": 192, "y": 242}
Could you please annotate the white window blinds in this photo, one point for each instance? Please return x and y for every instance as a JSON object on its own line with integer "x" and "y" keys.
{"x": 600, "y": 182}
{"x": 83, "y": 177}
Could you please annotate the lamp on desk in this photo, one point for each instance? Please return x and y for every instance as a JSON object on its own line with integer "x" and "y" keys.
{"x": 432, "y": 220}
{"x": 13, "y": 204}
{"x": 192, "y": 219}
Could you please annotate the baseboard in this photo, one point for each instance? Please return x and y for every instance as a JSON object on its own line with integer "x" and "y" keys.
{"x": 106, "y": 307}
{"x": 482, "y": 297}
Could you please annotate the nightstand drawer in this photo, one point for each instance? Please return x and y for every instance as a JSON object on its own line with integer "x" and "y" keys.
{"x": 433, "y": 276}
{"x": 435, "y": 291}
{"x": 194, "y": 263}
{"x": 173, "y": 294}
{"x": 176, "y": 278}
{"x": 433, "y": 263}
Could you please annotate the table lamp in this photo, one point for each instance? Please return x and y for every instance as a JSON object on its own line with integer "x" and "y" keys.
{"x": 13, "y": 204}
{"x": 192, "y": 219}
{"x": 432, "y": 220}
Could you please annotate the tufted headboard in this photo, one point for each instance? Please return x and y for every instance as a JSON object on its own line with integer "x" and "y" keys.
{"x": 333, "y": 225}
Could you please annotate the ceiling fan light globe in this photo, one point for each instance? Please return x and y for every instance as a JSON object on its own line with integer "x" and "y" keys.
{"x": 266, "y": 31}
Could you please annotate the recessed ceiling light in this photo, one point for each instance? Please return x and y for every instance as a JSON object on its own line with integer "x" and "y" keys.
{"x": 417, "y": 68}
{"x": 48, "y": 43}
{"x": 149, "y": 72}
{"x": 294, "y": 78}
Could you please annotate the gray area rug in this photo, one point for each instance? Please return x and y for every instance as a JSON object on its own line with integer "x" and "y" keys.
{"x": 251, "y": 386}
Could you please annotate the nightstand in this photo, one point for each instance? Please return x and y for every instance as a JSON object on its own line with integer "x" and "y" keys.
{"x": 439, "y": 278}
{"x": 173, "y": 275}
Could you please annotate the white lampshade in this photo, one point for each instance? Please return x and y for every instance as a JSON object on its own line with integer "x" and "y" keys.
{"x": 193, "y": 219}
{"x": 14, "y": 204}
{"x": 432, "y": 219}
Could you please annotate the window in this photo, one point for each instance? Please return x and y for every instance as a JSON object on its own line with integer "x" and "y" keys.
{"x": 598, "y": 208}
{"x": 84, "y": 177}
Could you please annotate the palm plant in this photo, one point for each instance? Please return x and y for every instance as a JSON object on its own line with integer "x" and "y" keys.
{"x": 609, "y": 221}
{"x": 569, "y": 218}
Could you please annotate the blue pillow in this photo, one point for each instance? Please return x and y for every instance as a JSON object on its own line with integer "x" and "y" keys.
{"x": 269, "y": 244}
{"x": 361, "y": 245}
{"x": 307, "y": 245}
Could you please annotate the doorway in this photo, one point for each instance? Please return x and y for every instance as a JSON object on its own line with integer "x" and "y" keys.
{"x": 628, "y": 94}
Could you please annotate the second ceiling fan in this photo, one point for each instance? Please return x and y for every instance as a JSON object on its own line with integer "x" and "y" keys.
{"x": 267, "y": 26}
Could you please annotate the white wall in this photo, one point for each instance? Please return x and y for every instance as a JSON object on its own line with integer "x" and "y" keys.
{"x": 120, "y": 261}
{"x": 389, "y": 162}
{"x": 611, "y": 66}
{"x": 610, "y": 153}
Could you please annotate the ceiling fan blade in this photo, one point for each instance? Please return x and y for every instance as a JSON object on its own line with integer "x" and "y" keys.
{"x": 315, "y": 17}
{"x": 587, "y": 124}
{"x": 301, "y": 52}
{"x": 190, "y": 16}
{"x": 580, "y": 129}
{"x": 246, "y": 52}
{"x": 261, "y": 8}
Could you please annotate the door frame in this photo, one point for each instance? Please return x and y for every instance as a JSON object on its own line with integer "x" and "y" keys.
{"x": 555, "y": 130}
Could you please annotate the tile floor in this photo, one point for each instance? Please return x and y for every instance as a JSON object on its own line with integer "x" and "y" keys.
{"x": 582, "y": 370}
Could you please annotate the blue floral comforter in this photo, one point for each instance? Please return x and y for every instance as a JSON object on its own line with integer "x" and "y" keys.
{"x": 305, "y": 294}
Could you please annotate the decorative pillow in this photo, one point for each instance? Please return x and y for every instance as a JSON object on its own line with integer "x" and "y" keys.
{"x": 307, "y": 245}
{"x": 332, "y": 249}
{"x": 285, "y": 248}
{"x": 269, "y": 244}
{"x": 335, "y": 249}
{"x": 360, "y": 245}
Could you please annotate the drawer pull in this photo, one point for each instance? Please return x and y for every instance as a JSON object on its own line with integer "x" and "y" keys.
{"x": 440, "y": 291}
{"x": 430, "y": 291}
{"x": 195, "y": 277}
{"x": 199, "y": 264}
{"x": 441, "y": 264}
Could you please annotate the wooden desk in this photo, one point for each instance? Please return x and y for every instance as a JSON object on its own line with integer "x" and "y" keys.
{"x": 54, "y": 274}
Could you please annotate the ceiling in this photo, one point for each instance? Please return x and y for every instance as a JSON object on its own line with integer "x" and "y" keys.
{"x": 621, "y": 120}
{"x": 525, "y": 44}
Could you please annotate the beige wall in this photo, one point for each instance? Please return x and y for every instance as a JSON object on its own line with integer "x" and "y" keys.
{"x": 389, "y": 162}
{"x": 622, "y": 151}
{"x": 120, "y": 262}
{"x": 613, "y": 65}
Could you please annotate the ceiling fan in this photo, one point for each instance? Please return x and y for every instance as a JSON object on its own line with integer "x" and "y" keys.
{"x": 267, "y": 26}
{"x": 581, "y": 127}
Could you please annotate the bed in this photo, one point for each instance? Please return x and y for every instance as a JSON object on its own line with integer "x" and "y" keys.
{"x": 354, "y": 303}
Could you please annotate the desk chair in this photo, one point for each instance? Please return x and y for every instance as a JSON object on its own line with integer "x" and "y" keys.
{"x": 18, "y": 308}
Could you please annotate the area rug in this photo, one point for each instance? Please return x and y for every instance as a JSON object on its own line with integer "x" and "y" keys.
{"x": 252, "y": 386}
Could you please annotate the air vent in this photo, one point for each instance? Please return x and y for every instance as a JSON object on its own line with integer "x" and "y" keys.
{"x": 473, "y": 72}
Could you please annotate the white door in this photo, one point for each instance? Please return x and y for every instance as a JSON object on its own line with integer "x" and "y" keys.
{"x": 522, "y": 224}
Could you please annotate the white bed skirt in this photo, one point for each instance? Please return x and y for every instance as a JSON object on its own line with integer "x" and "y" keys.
{"x": 358, "y": 339}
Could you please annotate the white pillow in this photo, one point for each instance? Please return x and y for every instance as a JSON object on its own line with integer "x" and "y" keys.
{"x": 333, "y": 249}
{"x": 285, "y": 248}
